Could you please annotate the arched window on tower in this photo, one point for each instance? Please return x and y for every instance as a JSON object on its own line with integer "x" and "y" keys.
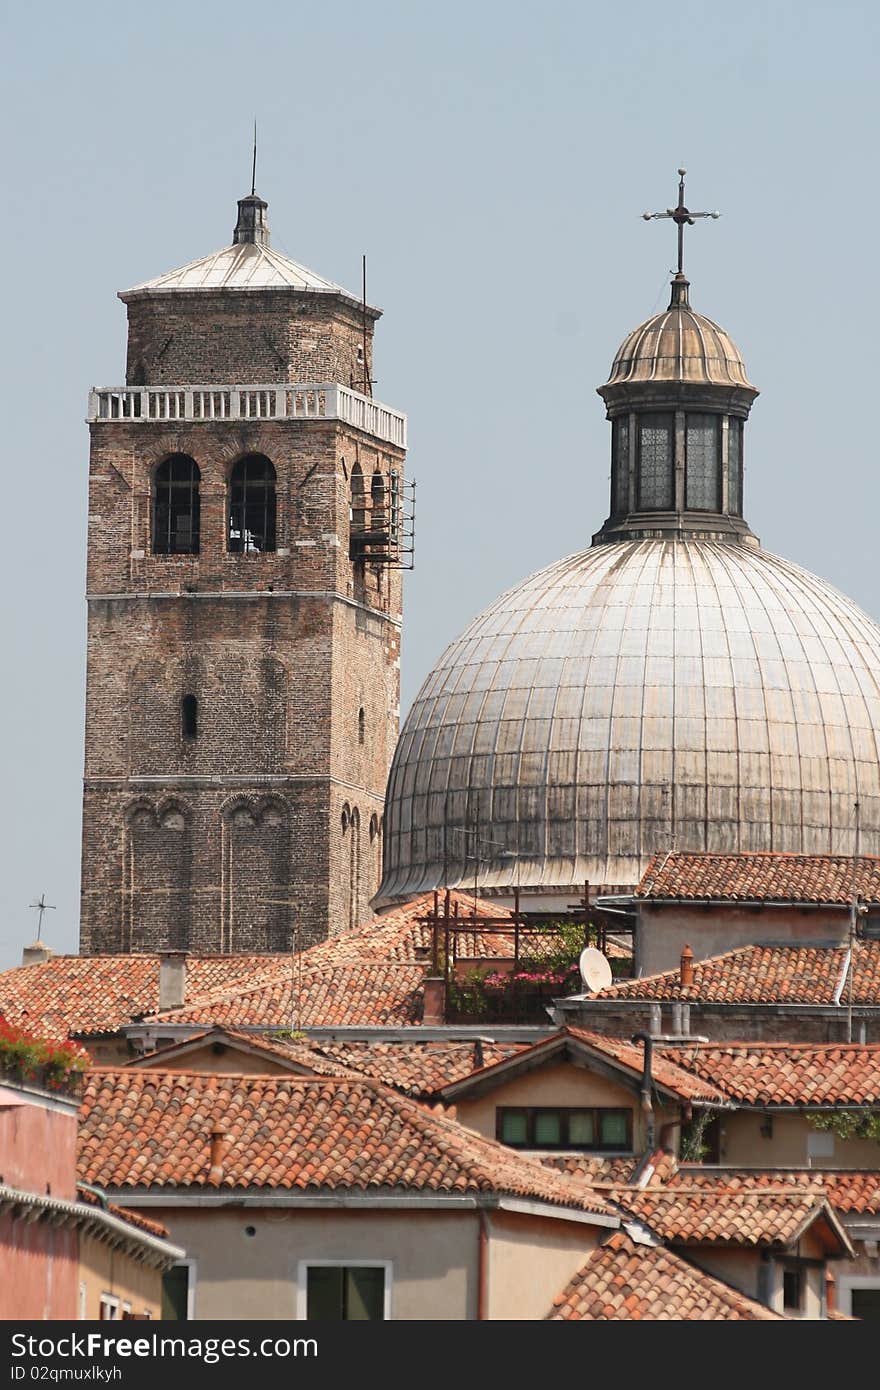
{"x": 656, "y": 464}
{"x": 252, "y": 505}
{"x": 358, "y": 500}
{"x": 176, "y": 507}
{"x": 362, "y": 725}
{"x": 378, "y": 502}
{"x": 703, "y": 462}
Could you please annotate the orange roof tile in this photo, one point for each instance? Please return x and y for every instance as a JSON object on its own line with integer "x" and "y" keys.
{"x": 765, "y": 975}
{"x": 625, "y": 1281}
{"x": 88, "y": 995}
{"x": 762, "y": 876}
{"x": 134, "y": 1218}
{"x": 610, "y": 1172}
{"x": 367, "y": 994}
{"x": 848, "y": 1190}
{"x": 802, "y": 1074}
{"x": 665, "y": 1070}
{"x": 91, "y": 995}
{"x": 152, "y": 1129}
{"x": 716, "y": 1215}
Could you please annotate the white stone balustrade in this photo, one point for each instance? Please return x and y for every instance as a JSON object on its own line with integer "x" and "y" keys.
{"x": 276, "y": 401}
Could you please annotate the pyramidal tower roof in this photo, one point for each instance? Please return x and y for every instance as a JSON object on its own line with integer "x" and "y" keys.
{"x": 248, "y": 264}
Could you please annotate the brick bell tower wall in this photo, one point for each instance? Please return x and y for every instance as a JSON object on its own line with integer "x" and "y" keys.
{"x": 263, "y": 829}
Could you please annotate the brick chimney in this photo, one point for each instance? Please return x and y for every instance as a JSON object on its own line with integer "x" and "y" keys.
{"x": 172, "y": 979}
{"x": 434, "y": 1010}
{"x": 218, "y": 1153}
{"x": 36, "y": 954}
{"x": 687, "y": 967}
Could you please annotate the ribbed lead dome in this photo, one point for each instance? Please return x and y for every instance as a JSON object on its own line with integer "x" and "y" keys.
{"x": 678, "y": 346}
{"x": 637, "y": 697}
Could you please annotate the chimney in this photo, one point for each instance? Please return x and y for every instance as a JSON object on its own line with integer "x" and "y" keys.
{"x": 218, "y": 1153}
{"x": 434, "y": 1010}
{"x": 172, "y": 979}
{"x": 36, "y": 954}
{"x": 687, "y": 967}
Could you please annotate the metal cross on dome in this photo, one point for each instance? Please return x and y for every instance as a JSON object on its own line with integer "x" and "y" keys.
{"x": 681, "y": 216}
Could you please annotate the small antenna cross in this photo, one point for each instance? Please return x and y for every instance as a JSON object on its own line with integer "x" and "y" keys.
{"x": 41, "y": 906}
{"x": 681, "y": 216}
{"x": 254, "y": 169}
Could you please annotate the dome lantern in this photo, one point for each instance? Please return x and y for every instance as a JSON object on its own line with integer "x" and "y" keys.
{"x": 677, "y": 397}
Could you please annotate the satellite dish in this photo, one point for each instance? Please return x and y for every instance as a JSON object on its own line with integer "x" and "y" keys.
{"x": 595, "y": 970}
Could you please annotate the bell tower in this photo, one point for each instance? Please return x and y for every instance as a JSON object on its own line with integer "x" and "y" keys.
{"x": 247, "y": 528}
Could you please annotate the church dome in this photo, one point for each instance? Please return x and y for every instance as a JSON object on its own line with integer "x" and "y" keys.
{"x": 678, "y": 346}
{"x": 674, "y": 687}
{"x": 639, "y": 696}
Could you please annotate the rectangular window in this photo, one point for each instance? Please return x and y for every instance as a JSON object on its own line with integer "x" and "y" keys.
{"x": 560, "y": 1127}
{"x": 793, "y": 1289}
{"x": 735, "y": 466}
{"x": 620, "y": 465}
{"x": 865, "y": 1304}
{"x": 345, "y": 1293}
{"x": 175, "y": 1293}
{"x": 703, "y": 463}
{"x": 656, "y": 463}
{"x": 109, "y": 1308}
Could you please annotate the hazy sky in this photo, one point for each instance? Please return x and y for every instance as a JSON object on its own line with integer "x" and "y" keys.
{"x": 492, "y": 159}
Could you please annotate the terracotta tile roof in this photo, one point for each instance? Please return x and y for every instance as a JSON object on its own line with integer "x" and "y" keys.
{"x": 766, "y": 975}
{"x": 370, "y": 993}
{"x": 86, "y": 995}
{"x": 716, "y": 1215}
{"x": 610, "y": 1172}
{"x": 567, "y": 1041}
{"x": 623, "y": 1281}
{"x": 299, "y": 1055}
{"x": 761, "y": 877}
{"x": 415, "y": 1069}
{"x": 848, "y": 1190}
{"x": 152, "y": 1129}
{"x": 90, "y": 995}
{"x": 803, "y": 1074}
{"x": 397, "y": 934}
{"x": 134, "y": 1218}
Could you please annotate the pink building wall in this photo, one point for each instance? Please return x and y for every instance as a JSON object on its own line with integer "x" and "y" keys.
{"x": 39, "y": 1265}
{"x": 37, "y": 1143}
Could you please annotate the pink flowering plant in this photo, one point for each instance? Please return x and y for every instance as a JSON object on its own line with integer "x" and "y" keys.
{"x": 56, "y": 1066}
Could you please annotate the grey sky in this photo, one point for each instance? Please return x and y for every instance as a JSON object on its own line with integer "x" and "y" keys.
{"x": 493, "y": 160}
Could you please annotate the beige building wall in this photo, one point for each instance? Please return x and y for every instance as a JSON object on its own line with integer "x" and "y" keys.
{"x": 557, "y": 1083}
{"x": 793, "y": 1143}
{"x": 661, "y": 932}
{"x": 531, "y": 1259}
{"x": 741, "y": 1268}
{"x": 231, "y": 1061}
{"x": 434, "y": 1258}
{"x": 103, "y": 1270}
{"x": 433, "y": 1254}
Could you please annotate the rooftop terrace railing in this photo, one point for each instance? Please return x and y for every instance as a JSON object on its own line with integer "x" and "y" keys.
{"x": 275, "y": 401}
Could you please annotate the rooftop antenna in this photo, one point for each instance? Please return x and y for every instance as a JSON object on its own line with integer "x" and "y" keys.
{"x": 41, "y": 906}
{"x": 681, "y": 216}
{"x": 254, "y": 168}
